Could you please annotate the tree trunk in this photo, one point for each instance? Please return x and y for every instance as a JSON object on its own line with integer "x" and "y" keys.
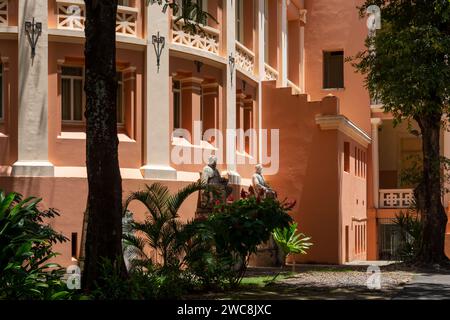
{"x": 430, "y": 193}
{"x": 104, "y": 226}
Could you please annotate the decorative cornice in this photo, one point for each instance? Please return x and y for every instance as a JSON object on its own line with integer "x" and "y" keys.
{"x": 344, "y": 125}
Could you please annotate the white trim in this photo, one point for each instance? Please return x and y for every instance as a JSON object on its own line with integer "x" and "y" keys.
{"x": 344, "y": 125}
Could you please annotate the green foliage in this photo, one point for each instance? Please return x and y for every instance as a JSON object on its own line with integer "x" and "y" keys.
{"x": 406, "y": 63}
{"x": 411, "y": 229}
{"x": 189, "y": 11}
{"x": 161, "y": 231}
{"x": 25, "y": 250}
{"x": 411, "y": 176}
{"x": 291, "y": 242}
{"x": 142, "y": 283}
{"x": 238, "y": 228}
{"x": 208, "y": 253}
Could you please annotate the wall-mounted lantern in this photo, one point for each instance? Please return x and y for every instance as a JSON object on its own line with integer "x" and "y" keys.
{"x": 33, "y": 31}
{"x": 232, "y": 63}
{"x": 158, "y": 44}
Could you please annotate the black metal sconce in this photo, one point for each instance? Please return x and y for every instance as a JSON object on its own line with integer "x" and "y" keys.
{"x": 232, "y": 63}
{"x": 158, "y": 44}
{"x": 198, "y": 65}
{"x": 33, "y": 31}
{"x": 244, "y": 85}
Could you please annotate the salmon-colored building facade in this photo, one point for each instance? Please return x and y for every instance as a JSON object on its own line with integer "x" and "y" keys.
{"x": 272, "y": 68}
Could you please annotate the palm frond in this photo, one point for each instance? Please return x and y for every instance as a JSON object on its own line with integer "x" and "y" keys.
{"x": 175, "y": 201}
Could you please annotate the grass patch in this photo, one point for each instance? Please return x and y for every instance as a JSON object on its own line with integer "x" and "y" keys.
{"x": 262, "y": 281}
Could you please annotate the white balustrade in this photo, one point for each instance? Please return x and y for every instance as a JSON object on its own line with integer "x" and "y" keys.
{"x": 396, "y": 198}
{"x": 207, "y": 39}
{"x": 270, "y": 73}
{"x": 71, "y": 15}
{"x": 3, "y": 12}
{"x": 245, "y": 59}
{"x": 126, "y": 21}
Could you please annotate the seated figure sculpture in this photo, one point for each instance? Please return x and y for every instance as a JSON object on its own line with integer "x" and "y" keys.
{"x": 211, "y": 177}
{"x": 260, "y": 185}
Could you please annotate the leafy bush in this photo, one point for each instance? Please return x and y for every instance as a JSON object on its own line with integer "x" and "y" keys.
{"x": 25, "y": 250}
{"x": 291, "y": 242}
{"x": 411, "y": 228}
{"x": 142, "y": 283}
{"x": 212, "y": 252}
{"x": 238, "y": 228}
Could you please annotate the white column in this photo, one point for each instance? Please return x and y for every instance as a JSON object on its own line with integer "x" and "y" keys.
{"x": 157, "y": 126}
{"x": 261, "y": 67}
{"x": 33, "y": 95}
{"x": 230, "y": 94}
{"x": 375, "y": 161}
{"x": 283, "y": 67}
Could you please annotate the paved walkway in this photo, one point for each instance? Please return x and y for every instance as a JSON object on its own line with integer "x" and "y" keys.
{"x": 426, "y": 286}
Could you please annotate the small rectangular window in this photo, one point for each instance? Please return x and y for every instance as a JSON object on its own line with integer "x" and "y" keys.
{"x": 72, "y": 93}
{"x": 239, "y": 20}
{"x": 176, "y": 90}
{"x": 347, "y": 157}
{"x": 333, "y": 69}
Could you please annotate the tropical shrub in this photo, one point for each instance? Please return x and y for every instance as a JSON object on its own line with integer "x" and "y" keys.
{"x": 142, "y": 283}
{"x": 162, "y": 230}
{"x": 411, "y": 228}
{"x": 238, "y": 228}
{"x": 290, "y": 241}
{"x": 25, "y": 250}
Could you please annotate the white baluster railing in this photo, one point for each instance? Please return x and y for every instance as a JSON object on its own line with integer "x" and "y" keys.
{"x": 3, "y": 12}
{"x": 207, "y": 39}
{"x": 126, "y": 21}
{"x": 396, "y": 198}
{"x": 71, "y": 15}
{"x": 245, "y": 58}
{"x": 270, "y": 73}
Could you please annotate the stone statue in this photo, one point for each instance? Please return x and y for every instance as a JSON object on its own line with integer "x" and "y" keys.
{"x": 212, "y": 177}
{"x": 260, "y": 185}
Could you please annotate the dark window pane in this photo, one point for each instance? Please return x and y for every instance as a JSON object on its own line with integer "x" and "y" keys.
{"x": 65, "y": 99}
{"x": 176, "y": 110}
{"x": 333, "y": 69}
{"x": 77, "y": 100}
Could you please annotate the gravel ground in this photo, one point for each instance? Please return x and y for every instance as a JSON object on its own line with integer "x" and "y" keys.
{"x": 322, "y": 282}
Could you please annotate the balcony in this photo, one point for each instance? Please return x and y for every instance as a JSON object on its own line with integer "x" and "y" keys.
{"x": 71, "y": 16}
{"x": 396, "y": 198}
{"x": 245, "y": 59}
{"x": 270, "y": 73}
{"x": 206, "y": 40}
{"x": 3, "y": 13}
